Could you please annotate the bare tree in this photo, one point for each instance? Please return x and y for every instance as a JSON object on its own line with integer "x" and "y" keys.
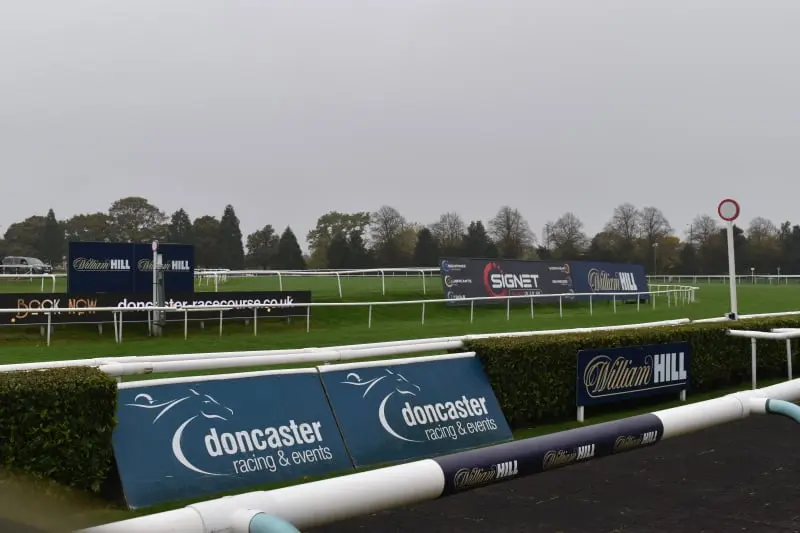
{"x": 386, "y": 225}
{"x": 761, "y": 229}
{"x": 511, "y": 233}
{"x": 449, "y": 232}
{"x": 702, "y": 229}
{"x": 565, "y": 236}
{"x": 653, "y": 225}
{"x": 624, "y": 223}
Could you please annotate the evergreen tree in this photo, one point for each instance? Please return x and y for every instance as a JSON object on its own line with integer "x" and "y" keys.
{"x": 338, "y": 253}
{"x": 477, "y": 243}
{"x": 426, "y": 251}
{"x": 358, "y": 254}
{"x": 289, "y": 256}
{"x": 53, "y": 241}
{"x": 180, "y": 228}
{"x": 230, "y": 240}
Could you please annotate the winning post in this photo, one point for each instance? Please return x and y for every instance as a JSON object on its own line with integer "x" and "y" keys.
{"x": 728, "y": 210}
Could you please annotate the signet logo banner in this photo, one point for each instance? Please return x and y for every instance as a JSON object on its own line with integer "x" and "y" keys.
{"x": 178, "y": 440}
{"x": 411, "y": 408}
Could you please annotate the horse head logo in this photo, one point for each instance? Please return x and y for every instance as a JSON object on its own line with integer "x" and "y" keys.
{"x": 389, "y": 383}
{"x": 199, "y": 405}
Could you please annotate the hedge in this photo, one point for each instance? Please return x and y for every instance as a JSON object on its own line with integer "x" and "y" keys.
{"x": 534, "y": 376}
{"x": 58, "y": 424}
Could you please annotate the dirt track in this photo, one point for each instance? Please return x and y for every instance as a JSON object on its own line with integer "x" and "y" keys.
{"x": 738, "y": 477}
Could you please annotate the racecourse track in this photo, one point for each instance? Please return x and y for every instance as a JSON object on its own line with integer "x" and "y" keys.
{"x": 742, "y": 476}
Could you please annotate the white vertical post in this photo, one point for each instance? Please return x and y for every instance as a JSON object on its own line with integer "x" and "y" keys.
{"x": 580, "y": 413}
{"x": 560, "y": 307}
{"x": 732, "y": 271}
{"x": 614, "y": 299}
{"x": 308, "y": 318}
{"x": 753, "y": 357}
{"x": 471, "y": 310}
{"x": 531, "y": 306}
{"x": 220, "y": 322}
{"x": 369, "y": 317}
{"x": 255, "y": 321}
{"x": 508, "y": 308}
{"x": 383, "y": 283}
{"x": 591, "y": 310}
{"x": 185, "y": 324}
{"x": 339, "y": 283}
{"x": 280, "y": 281}
{"x": 789, "y": 357}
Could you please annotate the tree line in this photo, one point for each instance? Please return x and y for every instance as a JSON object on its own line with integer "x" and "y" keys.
{"x": 385, "y": 238}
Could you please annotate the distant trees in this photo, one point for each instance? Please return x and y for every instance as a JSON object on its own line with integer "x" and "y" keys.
{"x": 386, "y": 238}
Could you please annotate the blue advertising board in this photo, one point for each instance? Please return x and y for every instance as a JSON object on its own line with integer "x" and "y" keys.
{"x": 412, "y": 408}
{"x": 606, "y": 279}
{"x": 189, "y": 438}
{"x": 614, "y": 374}
{"x": 112, "y": 267}
{"x": 484, "y": 466}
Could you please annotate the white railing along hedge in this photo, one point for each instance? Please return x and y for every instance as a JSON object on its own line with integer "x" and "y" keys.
{"x": 674, "y": 295}
{"x": 31, "y": 277}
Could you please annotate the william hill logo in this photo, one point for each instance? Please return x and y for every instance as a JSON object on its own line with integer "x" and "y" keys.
{"x": 467, "y": 478}
{"x": 88, "y": 264}
{"x": 558, "y": 458}
{"x": 176, "y": 265}
{"x": 606, "y": 376}
{"x": 600, "y": 281}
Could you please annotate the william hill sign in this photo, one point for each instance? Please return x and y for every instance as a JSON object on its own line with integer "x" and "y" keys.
{"x": 614, "y": 374}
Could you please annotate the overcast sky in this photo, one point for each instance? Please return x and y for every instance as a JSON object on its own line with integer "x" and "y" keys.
{"x": 287, "y": 109}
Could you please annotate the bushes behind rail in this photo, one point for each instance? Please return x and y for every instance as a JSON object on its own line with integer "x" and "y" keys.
{"x": 58, "y": 424}
{"x": 534, "y": 377}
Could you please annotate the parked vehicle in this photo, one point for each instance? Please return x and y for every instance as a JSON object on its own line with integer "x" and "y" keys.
{"x": 24, "y": 265}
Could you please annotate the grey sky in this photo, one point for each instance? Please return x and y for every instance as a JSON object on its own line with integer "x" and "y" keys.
{"x": 289, "y": 109}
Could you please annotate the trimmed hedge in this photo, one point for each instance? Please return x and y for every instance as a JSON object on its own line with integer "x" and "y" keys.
{"x": 58, "y": 424}
{"x": 534, "y": 377}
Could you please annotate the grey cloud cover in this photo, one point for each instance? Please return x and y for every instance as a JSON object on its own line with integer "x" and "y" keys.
{"x": 288, "y": 109}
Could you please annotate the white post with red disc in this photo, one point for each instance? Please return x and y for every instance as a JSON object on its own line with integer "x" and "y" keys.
{"x": 728, "y": 210}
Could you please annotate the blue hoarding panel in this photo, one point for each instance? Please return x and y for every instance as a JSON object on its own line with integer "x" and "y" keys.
{"x": 178, "y": 262}
{"x": 411, "y": 408}
{"x": 99, "y": 267}
{"x": 485, "y": 466}
{"x": 178, "y": 440}
{"x": 605, "y": 279}
{"x": 615, "y": 374}
{"x": 111, "y": 267}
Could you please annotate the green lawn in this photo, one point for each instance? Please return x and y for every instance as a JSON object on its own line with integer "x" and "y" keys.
{"x": 349, "y": 325}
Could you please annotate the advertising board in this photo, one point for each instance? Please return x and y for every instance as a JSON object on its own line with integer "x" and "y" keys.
{"x": 485, "y": 466}
{"x": 78, "y": 308}
{"x": 117, "y": 268}
{"x": 605, "y": 279}
{"x": 616, "y": 374}
{"x": 412, "y": 408}
{"x": 185, "y": 439}
{"x": 475, "y": 278}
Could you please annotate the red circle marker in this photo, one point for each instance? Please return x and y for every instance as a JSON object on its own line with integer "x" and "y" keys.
{"x": 728, "y": 210}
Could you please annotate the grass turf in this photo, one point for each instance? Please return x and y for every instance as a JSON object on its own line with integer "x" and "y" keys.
{"x": 332, "y": 326}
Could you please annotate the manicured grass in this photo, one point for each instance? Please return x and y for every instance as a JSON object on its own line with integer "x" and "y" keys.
{"x": 348, "y": 325}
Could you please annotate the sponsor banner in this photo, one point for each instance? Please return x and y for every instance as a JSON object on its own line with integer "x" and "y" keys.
{"x": 485, "y": 466}
{"x": 76, "y": 308}
{"x": 180, "y": 440}
{"x": 474, "y": 278}
{"x": 605, "y": 279}
{"x": 614, "y": 374}
{"x": 80, "y": 308}
{"x": 412, "y": 408}
{"x": 120, "y": 268}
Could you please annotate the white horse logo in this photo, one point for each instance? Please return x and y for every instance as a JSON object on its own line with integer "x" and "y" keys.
{"x": 391, "y": 383}
{"x": 205, "y": 406}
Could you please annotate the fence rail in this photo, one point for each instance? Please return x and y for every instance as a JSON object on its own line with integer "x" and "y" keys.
{"x": 673, "y": 296}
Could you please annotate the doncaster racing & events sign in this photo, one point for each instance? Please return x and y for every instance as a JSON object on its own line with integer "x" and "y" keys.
{"x": 179, "y": 440}
{"x": 412, "y": 408}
